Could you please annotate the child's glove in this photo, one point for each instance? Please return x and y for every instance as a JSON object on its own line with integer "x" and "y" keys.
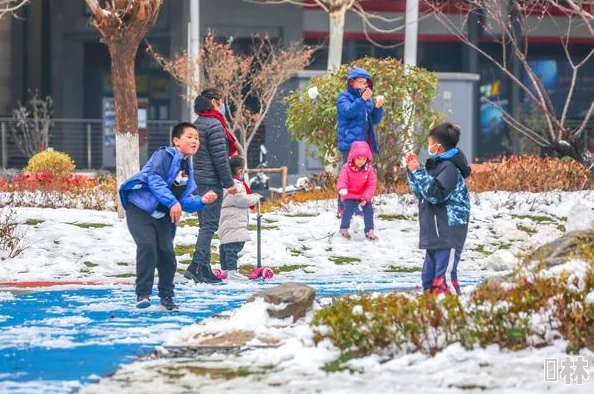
{"x": 343, "y": 192}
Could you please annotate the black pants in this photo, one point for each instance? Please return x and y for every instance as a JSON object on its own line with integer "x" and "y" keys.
{"x": 154, "y": 249}
{"x": 209, "y": 223}
{"x": 228, "y": 253}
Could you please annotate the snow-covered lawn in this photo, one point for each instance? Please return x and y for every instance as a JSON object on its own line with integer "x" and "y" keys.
{"x": 67, "y": 244}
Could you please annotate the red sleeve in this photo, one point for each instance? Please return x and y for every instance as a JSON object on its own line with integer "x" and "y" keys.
{"x": 343, "y": 177}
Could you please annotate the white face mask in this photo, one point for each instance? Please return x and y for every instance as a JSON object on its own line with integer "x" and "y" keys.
{"x": 430, "y": 148}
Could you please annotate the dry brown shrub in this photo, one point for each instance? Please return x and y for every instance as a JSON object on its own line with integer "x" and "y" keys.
{"x": 517, "y": 173}
{"x": 530, "y": 174}
{"x": 76, "y": 192}
{"x": 10, "y": 239}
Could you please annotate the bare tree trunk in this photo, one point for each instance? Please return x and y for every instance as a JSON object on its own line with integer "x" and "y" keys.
{"x": 336, "y": 18}
{"x": 123, "y": 80}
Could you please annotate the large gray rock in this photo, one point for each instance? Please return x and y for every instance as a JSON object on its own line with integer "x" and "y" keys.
{"x": 297, "y": 298}
{"x": 573, "y": 245}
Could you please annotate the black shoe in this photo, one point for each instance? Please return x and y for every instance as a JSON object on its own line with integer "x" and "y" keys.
{"x": 206, "y": 273}
{"x": 143, "y": 301}
{"x": 193, "y": 276}
{"x": 168, "y": 303}
{"x": 199, "y": 277}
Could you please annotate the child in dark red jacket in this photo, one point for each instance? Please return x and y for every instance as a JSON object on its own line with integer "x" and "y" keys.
{"x": 356, "y": 186}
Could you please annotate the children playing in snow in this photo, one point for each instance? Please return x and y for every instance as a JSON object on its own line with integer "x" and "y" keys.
{"x": 444, "y": 206}
{"x": 356, "y": 186}
{"x": 233, "y": 225}
{"x": 357, "y": 115}
{"x": 154, "y": 199}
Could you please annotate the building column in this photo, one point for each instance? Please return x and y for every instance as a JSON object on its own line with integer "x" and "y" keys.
{"x": 34, "y": 43}
{"x": 5, "y": 66}
{"x": 515, "y": 94}
{"x": 471, "y": 65}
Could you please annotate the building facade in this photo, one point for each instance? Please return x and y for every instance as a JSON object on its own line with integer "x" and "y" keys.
{"x": 53, "y": 49}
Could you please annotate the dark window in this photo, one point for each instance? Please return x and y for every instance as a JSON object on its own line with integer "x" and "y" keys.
{"x": 440, "y": 56}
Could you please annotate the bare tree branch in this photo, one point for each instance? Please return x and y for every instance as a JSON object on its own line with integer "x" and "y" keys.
{"x": 370, "y": 21}
{"x": 504, "y": 29}
{"x": 11, "y": 6}
{"x": 96, "y": 10}
{"x": 250, "y": 82}
{"x": 32, "y": 123}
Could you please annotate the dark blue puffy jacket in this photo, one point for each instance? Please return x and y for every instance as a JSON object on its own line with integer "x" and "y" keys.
{"x": 357, "y": 117}
{"x": 152, "y": 185}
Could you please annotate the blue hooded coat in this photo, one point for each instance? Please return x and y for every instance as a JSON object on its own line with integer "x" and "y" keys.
{"x": 152, "y": 185}
{"x": 356, "y": 117}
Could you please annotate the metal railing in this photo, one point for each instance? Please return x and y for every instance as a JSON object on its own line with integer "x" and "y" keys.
{"x": 86, "y": 141}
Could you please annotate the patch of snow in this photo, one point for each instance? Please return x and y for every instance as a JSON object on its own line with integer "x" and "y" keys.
{"x": 501, "y": 260}
{"x": 6, "y": 296}
{"x": 589, "y": 298}
{"x": 580, "y": 217}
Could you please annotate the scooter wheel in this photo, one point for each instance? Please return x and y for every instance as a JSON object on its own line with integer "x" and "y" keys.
{"x": 267, "y": 273}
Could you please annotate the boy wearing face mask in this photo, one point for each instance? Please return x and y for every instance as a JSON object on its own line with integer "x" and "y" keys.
{"x": 444, "y": 206}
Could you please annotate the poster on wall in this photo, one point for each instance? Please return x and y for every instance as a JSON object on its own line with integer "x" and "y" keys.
{"x": 108, "y": 121}
{"x": 556, "y": 76}
{"x": 492, "y": 126}
{"x": 143, "y": 108}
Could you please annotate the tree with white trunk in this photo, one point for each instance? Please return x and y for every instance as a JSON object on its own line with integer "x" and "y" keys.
{"x": 122, "y": 25}
{"x": 510, "y": 24}
{"x": 337, "y": 11}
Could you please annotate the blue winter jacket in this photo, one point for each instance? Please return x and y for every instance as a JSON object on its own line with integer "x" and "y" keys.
{"x": 356, "y": 117}
{"x": 444, "y": 201}
{"x": 152, "y": 185}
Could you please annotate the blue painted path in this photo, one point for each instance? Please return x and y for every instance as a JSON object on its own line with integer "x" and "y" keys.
{"x": 55, "y": 341}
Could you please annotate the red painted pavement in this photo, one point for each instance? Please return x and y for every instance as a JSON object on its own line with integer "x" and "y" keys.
{"x": 50, "y": 283}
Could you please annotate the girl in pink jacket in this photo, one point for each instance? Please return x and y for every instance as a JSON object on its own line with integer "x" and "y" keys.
{"x": 356, "y": 186}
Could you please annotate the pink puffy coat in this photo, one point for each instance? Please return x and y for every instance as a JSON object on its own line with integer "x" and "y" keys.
{"x": 359, "y": 182}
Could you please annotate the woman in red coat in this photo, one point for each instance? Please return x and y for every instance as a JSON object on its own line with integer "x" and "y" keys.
{"x": 356, "y": 186}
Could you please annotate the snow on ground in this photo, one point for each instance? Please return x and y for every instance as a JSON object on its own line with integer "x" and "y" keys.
{"x": 67, "y": 244}
{"x": 63, "y": 244}
{"x": 294, "y": 365}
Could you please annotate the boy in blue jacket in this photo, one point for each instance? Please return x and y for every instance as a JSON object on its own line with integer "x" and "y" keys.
{"x": 444, "y": 206}
{"x": 154, "y": 199}
{"x": 357, "y": 115}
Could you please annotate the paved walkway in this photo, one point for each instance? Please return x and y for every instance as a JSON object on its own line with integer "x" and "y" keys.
{"x": 54, "y": 341}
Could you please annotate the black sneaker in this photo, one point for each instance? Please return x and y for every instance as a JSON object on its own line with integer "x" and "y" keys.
{"x": 143, "y": 301}
{"x": 168, "y": 303}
